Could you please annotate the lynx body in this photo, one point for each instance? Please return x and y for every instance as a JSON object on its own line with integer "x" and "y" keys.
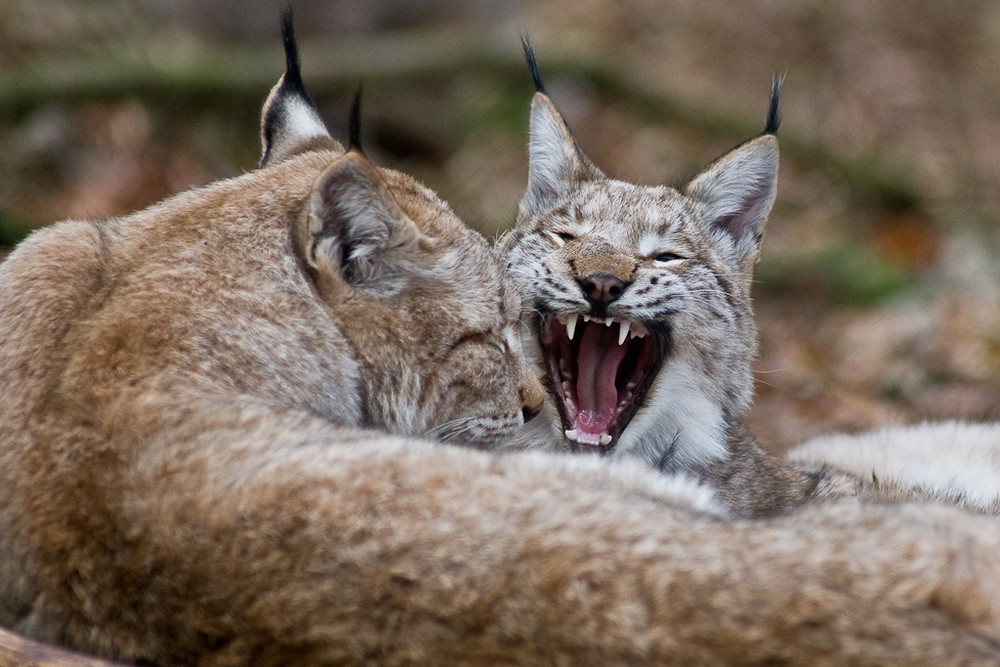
{"x": 207, "y": 414}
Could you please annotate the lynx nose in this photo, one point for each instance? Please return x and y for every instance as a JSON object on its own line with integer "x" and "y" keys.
{"x": 601, "y": 288}
{"x": 529, "y": 412}
{"x": 532, "y": 397}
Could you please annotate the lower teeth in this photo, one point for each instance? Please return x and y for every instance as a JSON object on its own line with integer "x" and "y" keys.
{"x": 574, "y": 436}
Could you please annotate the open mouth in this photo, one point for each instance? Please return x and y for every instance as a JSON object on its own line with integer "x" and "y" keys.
{"x": 600, "y": 370}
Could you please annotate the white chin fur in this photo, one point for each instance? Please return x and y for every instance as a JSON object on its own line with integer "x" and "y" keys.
{"x": 945, "y": 459}
{"x": 676, "y": 407}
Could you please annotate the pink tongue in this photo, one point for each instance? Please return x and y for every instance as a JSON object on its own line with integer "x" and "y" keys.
{"x": 597, "y": 364}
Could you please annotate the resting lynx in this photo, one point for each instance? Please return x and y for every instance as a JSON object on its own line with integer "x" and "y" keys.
{"x": 150, "y": 365}
{"x": 638, "y": 303}
{"x": 184, "y": 478}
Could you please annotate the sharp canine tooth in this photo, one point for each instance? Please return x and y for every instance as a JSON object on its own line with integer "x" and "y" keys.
{"x": 605, "y": 439}
{"x": 623, "y": 332}
{"x": 570, "y": 435}
{"x": 571, "y": 325}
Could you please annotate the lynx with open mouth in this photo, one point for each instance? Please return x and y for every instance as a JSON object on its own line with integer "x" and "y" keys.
{"x": 600, "y": 370}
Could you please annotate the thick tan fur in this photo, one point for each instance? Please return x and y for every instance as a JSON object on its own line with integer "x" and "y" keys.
{"x": 152, "y": 363}
{"x": 196, "y": 465}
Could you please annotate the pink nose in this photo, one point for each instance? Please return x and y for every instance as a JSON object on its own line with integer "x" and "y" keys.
{"x": 601, "y": 288}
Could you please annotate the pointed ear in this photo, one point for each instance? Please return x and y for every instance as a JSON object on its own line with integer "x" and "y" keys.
{"x": 737, "y": 192}
{"x": 555, "y": 161}
{"x": 290, "y": 123}
{"x": 358, "y": 232}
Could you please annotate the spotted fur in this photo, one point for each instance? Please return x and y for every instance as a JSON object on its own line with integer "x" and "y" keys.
{"x": 194, "y": 468}
{"x": 671, "y": 265}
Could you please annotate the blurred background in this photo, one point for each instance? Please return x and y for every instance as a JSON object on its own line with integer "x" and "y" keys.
{"x": 878, "y": 295}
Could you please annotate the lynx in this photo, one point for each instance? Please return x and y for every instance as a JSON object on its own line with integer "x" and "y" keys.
{"x": 638, "y": 307}
{"x": 207, "y": 413}
{"x": 951, "y": 462}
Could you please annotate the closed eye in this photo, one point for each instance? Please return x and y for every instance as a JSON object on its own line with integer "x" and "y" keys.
{"x": 561, "y": 238}
{"x": 668, "y": 257}
{"x": 471, "y": 337}
{"x": 481, "y": 338}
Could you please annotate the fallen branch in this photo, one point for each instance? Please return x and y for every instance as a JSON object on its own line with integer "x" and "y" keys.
{"x": 18, "y": 650}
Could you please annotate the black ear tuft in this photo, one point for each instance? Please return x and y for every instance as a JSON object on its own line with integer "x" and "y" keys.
{"x": 354, "y": 128}
{"x": 291, "y": 84}
{"x": 293, "y": 74}
{"x": 773, "y": 116}
{"x": 529, "y": 55}
{"x": 290, "y": 123}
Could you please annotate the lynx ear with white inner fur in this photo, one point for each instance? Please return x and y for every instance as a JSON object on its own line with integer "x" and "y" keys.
{"x": 737, "y": 192}
{"x": 358, "y": 231}
{"x": 290, "y": 123}
{"x": 555, "y": 161}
